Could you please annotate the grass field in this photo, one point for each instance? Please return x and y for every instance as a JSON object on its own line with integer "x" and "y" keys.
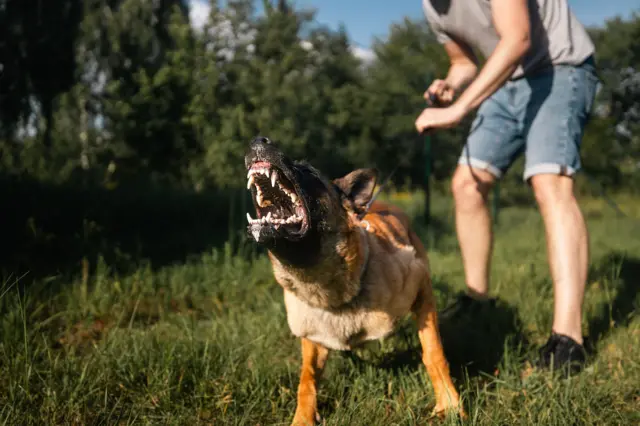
{"x": 206, "y": 341}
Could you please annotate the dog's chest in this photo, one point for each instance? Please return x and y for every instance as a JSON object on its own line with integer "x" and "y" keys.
{"x": 390, "y": 291}
{"x": 341, "y": 330}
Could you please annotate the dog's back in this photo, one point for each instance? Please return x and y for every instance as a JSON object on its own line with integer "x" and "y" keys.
{"x": 393, "y": 224}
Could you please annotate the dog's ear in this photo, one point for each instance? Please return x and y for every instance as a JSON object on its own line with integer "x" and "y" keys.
{"x": 358, "y": 186}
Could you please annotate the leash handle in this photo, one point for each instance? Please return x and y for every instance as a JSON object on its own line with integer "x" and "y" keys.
{"x": 432, "y": 102}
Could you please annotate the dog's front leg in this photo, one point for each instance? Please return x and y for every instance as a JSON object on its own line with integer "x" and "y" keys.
{"x": 433, "y": 357}
{"x": 314, "y": 357}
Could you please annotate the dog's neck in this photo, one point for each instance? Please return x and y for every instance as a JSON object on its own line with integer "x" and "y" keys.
{"x": 333, "y": 280}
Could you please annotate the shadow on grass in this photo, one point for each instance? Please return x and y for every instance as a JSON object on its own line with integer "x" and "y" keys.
{"x": 473, "y": 345}
{"x": 622, "y": 273}
{"x": 476, "y": 343}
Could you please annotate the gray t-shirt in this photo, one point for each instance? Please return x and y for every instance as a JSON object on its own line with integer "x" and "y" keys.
{"x": 557, "y": 37}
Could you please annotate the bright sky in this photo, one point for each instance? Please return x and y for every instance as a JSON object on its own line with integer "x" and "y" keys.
{"x": 365, "y": 19}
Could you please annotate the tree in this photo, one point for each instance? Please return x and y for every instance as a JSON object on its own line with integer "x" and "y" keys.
{"x": 618, "y": 57}
{"x": 37, "y": 58}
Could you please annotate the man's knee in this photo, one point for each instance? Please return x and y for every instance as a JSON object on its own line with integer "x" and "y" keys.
{"x": 471, "y": 187}
{"x": 552, "y": 189}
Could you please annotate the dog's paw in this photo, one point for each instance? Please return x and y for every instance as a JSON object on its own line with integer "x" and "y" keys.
{"x": 306, "y": 419}
{"x": 442, "y": 410}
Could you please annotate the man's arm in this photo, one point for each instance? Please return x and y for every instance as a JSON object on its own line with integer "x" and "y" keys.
{"x": 511, "y": 20}
{"x": 462, "y": 69}
{"x": 464, "y": 65}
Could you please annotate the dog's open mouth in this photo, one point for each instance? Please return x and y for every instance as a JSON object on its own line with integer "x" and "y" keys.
{"x": 275, "y": 198}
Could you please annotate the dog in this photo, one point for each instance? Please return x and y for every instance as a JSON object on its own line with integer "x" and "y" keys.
{"x": 346, "y": 279}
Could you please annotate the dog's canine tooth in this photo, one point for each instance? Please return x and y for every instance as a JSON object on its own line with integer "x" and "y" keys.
{"x": 249, "y": 219}
{"x": 293, "y": 197}
{"x": 268, "y": 218}
{"x": 250, "y": 182}
{"x": 274, "y": 178}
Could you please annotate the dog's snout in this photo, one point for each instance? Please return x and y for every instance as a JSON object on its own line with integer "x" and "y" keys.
{"x": 260, "y": 148}
{"x": 260, "y": 144}
{"x": 262, "y": 139}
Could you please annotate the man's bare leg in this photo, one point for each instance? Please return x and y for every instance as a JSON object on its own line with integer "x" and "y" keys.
{"x": 470, "y": 188}
{"x": 567, "y": 250}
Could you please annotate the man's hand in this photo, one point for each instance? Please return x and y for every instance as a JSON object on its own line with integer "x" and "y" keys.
{"x": 442, "y": 91}
{"x": 439, "y": 118}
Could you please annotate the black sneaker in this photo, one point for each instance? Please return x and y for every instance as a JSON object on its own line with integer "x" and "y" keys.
{"x": 562, "y": 353}
{"x": 465, "y": 305}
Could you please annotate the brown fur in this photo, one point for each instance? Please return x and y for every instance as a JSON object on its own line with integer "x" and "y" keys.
{"x": 343, "y": 301}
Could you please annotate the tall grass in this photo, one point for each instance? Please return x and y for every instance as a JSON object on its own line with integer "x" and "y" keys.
{"x": 204, "y": 340}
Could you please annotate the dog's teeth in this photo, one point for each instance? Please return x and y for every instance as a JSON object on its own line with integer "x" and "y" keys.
{"x": 293, "y": 197}
{"x": 249, "y": 173}
{"x": 274, "y": 178}
{"x": 259, "y": 198}
{"x": 250, "y": 182}
{"x": 268, "y": 218}
{"x": 249, "y": 219}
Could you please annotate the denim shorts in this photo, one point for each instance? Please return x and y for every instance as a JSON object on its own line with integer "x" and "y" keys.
{"x": 542, "y": 115}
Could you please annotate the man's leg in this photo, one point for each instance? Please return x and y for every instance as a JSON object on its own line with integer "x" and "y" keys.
{"x": 557, "y": 111}
{"x": 470, "y": 189}
{"x": 567, "y": 250}
{"x": 493, "y": 144}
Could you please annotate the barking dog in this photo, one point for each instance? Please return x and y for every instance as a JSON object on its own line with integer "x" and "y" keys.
{"x": 345, "y": 280}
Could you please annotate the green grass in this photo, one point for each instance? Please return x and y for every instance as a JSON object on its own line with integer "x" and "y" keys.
{"x": 206, "y": 341}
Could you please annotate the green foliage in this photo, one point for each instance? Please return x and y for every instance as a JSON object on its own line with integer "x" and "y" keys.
{"x": 142, "y": 92}
{"x": 37, "y": 54}
{"x": 619, "y": 62}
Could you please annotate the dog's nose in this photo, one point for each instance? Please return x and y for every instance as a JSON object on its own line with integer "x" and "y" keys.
{"x": 261, "y": 140}
{"x": 260, "y": 143}
{"x": 259, "y": 148}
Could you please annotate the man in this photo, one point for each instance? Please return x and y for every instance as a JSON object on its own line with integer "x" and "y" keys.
{"x": 534, "y": 94}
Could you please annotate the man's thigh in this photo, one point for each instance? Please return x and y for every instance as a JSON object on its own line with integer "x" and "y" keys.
{"x": 557, "y": 111}
{"x": 494, "y": 140}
